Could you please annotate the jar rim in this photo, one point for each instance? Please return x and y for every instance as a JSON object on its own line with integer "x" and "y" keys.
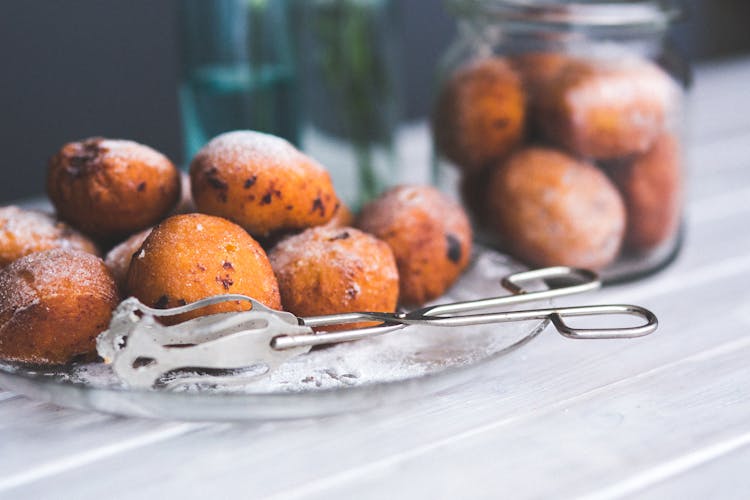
{"x": 579, "y": 13}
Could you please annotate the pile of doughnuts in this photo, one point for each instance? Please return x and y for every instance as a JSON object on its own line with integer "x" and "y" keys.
{"x": 254, "y": 217}
{"x": 565, "y": 160}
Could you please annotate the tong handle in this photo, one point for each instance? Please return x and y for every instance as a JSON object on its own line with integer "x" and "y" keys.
{"x": 584, "y": 279}
{"x": 650, "y": 325}
{"x": 557, "y": 316}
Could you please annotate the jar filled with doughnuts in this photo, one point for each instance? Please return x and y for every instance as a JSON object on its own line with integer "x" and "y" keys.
{"x": 560, "y": 124}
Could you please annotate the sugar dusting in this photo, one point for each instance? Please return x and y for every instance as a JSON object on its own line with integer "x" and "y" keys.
{"x": 318, "y": 244}
{"x": 26, "y": 231}
{"x": 406, "y": 354}
{"x": 247, "y": 147}
{"x": 389, "y": 210}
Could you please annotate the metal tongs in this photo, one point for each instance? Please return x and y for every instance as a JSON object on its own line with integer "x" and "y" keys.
{"x": 143, "y": 352}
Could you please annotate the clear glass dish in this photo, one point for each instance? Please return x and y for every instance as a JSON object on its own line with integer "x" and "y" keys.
{"x": 411, "y": 363}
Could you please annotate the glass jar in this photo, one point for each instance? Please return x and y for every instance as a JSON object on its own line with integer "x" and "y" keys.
{"x": 560, "y": 124}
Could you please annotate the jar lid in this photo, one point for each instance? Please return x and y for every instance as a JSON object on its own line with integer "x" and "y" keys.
{"x": 578, "y": 13}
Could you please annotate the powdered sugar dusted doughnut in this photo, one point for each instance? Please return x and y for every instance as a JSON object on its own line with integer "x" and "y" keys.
{"x": 480, "y": 114}
{"x": 552, "y": 209}
{"x": 118, "y": 259}
{"x": 262, "y": 183}
{"x": 651, "y": 186}
{"x": 605, "y": 109}
{"x": 190, "y": 257}
{"x": 27, "y": 231}
{"x": 327, "y": 270}
{"x": 110, "y": 189}
{"x": 429, "y": 234}
{"x": 53, "y": 304}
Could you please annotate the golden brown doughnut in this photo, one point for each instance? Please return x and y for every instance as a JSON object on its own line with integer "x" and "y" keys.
{"x": 606, "y": 110}
{"x": 480, "y": 114}
{"x": 429, "y": 234}
{"x": 651, "y": 186}
{"x": 262, "y": 183}
{"x": 53, "y": 304}
{"x": 109, "y": 188}
{"x": 118, "y": 258}
{"x": 190, "y": 257}
{"x": 343, "y": 217}
{"x": 327, "y": 270}
{"x": 537, "y": 69}
{"x": 473, "y": 191}
{"x": 551, "y": 209}
{"x": 186, "y": 205}
{"x": 27, "y": 231}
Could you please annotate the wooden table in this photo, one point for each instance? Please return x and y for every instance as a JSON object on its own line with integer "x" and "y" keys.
{"x": 666, "y": 416}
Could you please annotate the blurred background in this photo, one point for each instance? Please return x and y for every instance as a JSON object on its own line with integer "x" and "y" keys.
{"x": 80, "y": 68}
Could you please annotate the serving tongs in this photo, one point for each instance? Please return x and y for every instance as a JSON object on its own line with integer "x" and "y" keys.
{"x": 219, "y": 348}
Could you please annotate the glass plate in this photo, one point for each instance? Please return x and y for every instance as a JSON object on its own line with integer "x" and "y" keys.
{"x": 409, "y": 363}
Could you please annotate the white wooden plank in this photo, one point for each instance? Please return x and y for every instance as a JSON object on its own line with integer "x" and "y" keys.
{"x": 718, "y": 167}
{"x": 93, "y": 454}
{"x": 719, "y": 101}
{"x": 578, "y": 446}
{"x": 725, "y": 477}
{"x": 37, "y": 439}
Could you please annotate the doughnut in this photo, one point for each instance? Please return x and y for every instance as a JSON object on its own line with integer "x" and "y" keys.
{"x": 328, "y": 270}
{"x": 118, "y": 258}
{"x": 262, "y": 183}
{"x": 27, "y": 231}
{"x": 186, "y": 205}
{"x": 343, "y": 217}
{"x": 53, "y": 304}
{"x": 110, "y": 189}
{"x": 552, "y": 209}
{"x": 429, "y": 234}
{"x": 606, "y": 110}
{"x": 480, "y": 114}
{"x": 651, "y": 186}
{"x": 193, "y": 256}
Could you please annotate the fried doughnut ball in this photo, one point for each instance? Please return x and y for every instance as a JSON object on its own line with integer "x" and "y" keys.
{"x": 479, "y": 116}
{"x": 343, "y": 217}
{"x": 118, "y": 259}
{"x": 473, "y": 191}
{"x": 262, "y": 183}
{"x": 429, "y": 234}
{"x": 537, "y": 69}
{"x": 651, "y": 186}
{"x": 186, "y": 205}
{"x": 53, "y": 304}
{"x": 328, "y": 270}
{"x": 551, "y": 209}
{"x": 109, "y": 189}
{"x": 190, "y": 257}
{"x": 27, "y": 231}
{"x": 606, "y": 110}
